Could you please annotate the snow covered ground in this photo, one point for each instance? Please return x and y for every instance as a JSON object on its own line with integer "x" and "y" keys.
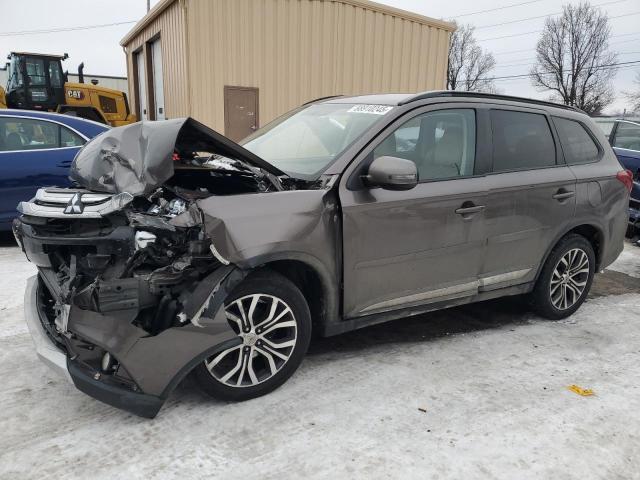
{"x": 473, "y": 392}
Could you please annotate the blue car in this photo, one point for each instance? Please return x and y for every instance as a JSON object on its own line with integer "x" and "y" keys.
{"x": 36, "y": 150}
{"x": 625, "y": 140}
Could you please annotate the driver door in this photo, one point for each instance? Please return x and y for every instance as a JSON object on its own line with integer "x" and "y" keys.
{"x": 408, "y": 248}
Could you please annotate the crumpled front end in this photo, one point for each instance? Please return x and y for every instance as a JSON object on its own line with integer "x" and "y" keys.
{"x": 131, "y": 301}
{"x": 135, "y": 266}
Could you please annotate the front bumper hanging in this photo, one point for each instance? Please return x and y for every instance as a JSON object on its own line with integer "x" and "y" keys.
{"x": 155, "y": 363}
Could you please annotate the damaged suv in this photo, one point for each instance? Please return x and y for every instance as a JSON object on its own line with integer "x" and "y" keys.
{"x": 182, "y": 252}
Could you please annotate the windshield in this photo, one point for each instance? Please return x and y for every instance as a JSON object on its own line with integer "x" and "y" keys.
{"x": 305, "y": 142}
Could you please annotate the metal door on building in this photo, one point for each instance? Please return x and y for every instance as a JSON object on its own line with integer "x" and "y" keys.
{"x": 158, "y": 86}
{"x": 141, "y": 81}
{"x": 240, "y": 112}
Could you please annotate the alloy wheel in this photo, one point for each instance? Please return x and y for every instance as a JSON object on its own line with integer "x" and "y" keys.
{"x": 268, "y": 329}
{"x": 569, "y": 279}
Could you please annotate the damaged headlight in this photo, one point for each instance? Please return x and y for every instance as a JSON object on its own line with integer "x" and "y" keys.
{"x": 177, "y": 206}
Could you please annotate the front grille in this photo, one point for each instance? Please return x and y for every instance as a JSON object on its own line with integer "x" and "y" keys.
{"x": 68, "y": 203}
{"x": 59, "y": 226}
{"x": 635, "y": 204}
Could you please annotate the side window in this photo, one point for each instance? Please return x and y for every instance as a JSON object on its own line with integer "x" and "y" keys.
{"x": 28, "y": 134}
{"x": 521, "y": 141}
{"x": 627, "y": 136}
{"x": 35, "y": 71}
{"x": 577, "y": 144}
{"x": 442, "y": 144}
{"x": 55, "y": 74}
{"x": 69, "y": 138}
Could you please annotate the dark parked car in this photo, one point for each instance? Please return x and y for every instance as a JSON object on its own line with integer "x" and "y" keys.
{"x": 185, "y": 252}
{"x": 625, "y": 140}
{"x": 36, "y": 150}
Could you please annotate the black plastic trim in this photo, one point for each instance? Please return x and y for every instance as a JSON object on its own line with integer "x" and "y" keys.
{"x": 140, "y": 404}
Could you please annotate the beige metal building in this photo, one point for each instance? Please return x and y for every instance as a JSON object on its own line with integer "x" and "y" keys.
{"x": 238, "y": 64}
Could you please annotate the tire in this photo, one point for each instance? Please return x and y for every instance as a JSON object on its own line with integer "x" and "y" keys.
{"x": 256, "y": 367}
{"x": 554, "y": 280}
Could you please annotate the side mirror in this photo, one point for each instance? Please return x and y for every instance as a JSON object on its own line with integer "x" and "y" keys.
{"x": 392, "y": 173}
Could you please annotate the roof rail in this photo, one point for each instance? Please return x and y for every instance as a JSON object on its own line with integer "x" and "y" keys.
{"x": 322, "y": 98}
{"x": 492, "y": 96}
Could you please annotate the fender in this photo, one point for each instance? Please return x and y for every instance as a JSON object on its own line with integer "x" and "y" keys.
{"x": 330, "y": 290}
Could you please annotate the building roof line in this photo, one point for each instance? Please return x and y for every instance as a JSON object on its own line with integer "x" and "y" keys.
{"x": 397, "y": 12}
{"x": 151, "y": 15}
{"x": 366, "y": 4}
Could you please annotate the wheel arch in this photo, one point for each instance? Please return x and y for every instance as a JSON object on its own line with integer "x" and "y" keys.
{"x": 313, "y": 279}
{"x": 592, "y": 232}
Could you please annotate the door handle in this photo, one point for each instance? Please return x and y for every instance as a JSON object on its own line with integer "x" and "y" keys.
{"x": 468, "y": 209}
{"x": 563, "y": 194}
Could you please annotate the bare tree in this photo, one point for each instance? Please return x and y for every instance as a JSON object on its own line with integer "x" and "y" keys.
{"x": 634, "y": 96}
{"x": 573, "y": 58}
{"x": 468, "y": 63}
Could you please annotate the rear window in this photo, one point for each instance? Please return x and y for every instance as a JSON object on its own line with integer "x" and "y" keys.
{"x": 577, "y": 144}
{"x": 521, "y": 141}
{"x": 627, "y": 136}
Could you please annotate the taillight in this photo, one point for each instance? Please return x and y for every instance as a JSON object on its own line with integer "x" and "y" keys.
{"x": 626, "y": 177}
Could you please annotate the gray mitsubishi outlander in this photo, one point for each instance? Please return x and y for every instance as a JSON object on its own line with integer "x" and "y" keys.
{"x": 181, "y": 252}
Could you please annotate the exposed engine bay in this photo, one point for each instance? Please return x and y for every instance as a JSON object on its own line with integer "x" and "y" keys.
{"x": 159, "y": 249}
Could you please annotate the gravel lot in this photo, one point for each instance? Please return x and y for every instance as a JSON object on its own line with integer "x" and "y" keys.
{"x": 473, "y": 392}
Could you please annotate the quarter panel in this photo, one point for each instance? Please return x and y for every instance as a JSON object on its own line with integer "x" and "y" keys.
{"x": 603, "y": 200}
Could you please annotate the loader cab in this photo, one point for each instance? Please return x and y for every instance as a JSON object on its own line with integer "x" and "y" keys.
{"x": 36, "y": 82}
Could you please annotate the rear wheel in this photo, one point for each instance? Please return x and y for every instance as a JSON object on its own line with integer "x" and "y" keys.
{"x": 565, "y": 279}
{"x": 271, "y": 317}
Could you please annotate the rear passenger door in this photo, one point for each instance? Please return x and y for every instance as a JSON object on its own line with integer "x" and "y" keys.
{"x": 532, "y": 195}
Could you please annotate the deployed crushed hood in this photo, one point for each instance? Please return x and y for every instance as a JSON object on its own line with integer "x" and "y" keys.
{"x": 138, "y": 158}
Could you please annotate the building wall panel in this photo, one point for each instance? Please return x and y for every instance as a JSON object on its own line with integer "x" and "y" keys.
{"x": 291, "y": 50}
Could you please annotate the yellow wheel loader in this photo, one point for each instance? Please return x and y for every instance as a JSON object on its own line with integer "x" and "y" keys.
{"x": 37, "y": 82}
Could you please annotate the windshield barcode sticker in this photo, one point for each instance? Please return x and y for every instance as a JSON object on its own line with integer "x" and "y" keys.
{"x": 374, "y": 109}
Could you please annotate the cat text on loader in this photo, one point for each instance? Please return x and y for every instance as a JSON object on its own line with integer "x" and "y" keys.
{"x": 37, "y": 82}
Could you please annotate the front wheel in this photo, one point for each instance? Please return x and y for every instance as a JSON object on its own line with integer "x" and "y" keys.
{"x": 271, "y": 317}
{"x": 565, "y": 279}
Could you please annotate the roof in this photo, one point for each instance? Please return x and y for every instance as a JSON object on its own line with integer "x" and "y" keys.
{"x": 399, "y": 99}
{"x": 61, "y": 57}
{"x": 393, "y": 99}
{"x": 162, "y": 5}
{"x": 83, "y": 125}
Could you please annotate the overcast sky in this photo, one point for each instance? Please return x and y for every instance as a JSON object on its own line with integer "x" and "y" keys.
{"x": 100, "y": 50}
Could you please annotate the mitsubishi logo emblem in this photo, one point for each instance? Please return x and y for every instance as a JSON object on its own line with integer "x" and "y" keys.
{"x": 75, "y": 205}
